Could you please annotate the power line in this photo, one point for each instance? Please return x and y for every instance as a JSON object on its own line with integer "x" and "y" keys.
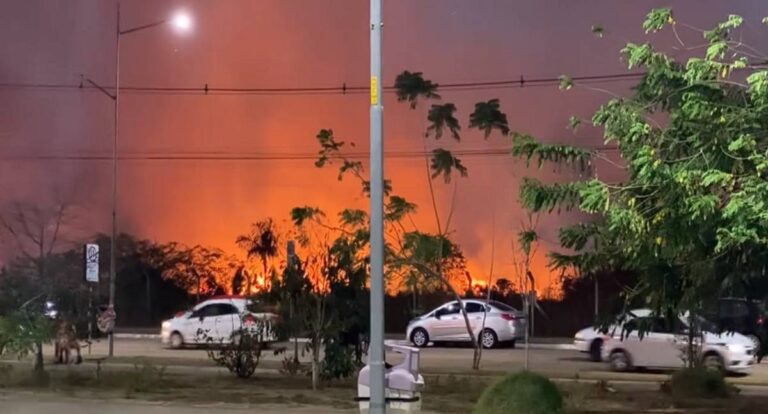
{"x": 232, "y": 156}
{"x": 343, "y": 89}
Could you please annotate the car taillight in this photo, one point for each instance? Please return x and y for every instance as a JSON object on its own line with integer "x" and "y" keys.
{"x": 508, "y": 317}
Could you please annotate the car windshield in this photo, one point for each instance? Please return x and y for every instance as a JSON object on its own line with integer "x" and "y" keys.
{"x": 502, "y": 306}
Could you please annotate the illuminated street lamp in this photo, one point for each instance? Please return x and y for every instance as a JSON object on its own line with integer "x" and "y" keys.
{"x": 183, "y": 23}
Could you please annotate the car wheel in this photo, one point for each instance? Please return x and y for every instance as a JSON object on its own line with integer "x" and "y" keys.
{"x": 177, "y": 341}
{"x": 620, "y": 361}
{"x": 713, "y": 362}
{"x": 596, "y": 350}
{"x": 489, "y": 339}
{"x": 420, "y": 337}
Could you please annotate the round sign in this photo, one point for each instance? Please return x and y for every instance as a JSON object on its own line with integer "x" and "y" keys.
{"x": 106, "y": 320}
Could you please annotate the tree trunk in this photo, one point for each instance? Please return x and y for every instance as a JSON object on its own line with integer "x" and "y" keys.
{"x": 315, "y": 364}
{"x": 39, "y": 357}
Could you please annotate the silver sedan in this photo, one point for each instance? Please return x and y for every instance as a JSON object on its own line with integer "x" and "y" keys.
{"x": 503, "y": 323}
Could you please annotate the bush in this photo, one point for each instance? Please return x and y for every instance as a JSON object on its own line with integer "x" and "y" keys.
{"x": 698, "y": 382}
{"x": 521, "y": 393}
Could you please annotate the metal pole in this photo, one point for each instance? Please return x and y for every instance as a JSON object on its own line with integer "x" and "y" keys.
{"x": 376, "y": 351}
{"x": 597, "y": 303}
{"x": 113, "y": 239}
{"x": 90, "y": 316}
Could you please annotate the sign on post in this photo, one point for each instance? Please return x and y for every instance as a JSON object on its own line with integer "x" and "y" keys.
{"x": 92, "y": 263}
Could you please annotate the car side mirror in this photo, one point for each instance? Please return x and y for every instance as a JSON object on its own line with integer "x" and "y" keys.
{"x": 438, "y": 315}
{"x": 202, "y": 317}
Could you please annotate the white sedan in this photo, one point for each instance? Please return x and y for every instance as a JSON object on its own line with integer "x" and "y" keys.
{"x": 663, "y": 345}
{"x": 590, "y": 340}
{"x": 218, "y": 320}
{"x": 503, "y": 323}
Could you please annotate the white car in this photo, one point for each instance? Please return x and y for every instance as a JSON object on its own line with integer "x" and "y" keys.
{"x": 663, "y": 345}
{"x": 503, "y": 323}
{"x": 590, "y": 340}
{"x": 218, "y": 320}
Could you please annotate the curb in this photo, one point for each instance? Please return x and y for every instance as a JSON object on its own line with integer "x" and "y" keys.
{"x": 136, "y": 336}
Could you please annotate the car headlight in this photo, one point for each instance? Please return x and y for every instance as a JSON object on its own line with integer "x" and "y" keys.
{"x": 166, "y": 324}
{"x": 736, "y": 348}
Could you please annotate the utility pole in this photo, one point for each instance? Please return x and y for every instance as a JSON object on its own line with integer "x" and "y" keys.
{"x": 113, "y": 238}
{"x": 376, "y": 350}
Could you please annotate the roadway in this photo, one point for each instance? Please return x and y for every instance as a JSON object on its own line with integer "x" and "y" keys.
{"x": 549, "y": 359}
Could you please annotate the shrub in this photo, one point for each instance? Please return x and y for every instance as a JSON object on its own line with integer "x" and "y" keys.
{"x": 698, "y": 382}
{"x": 521, "y": 393}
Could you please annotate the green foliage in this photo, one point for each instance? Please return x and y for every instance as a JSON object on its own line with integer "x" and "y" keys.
{"x": 526, "y": 239}
{"x": 521, "y": 393}
{"x": 525, "y": 146}
{"x": 657, "y": 19}
{"x": 692, "y": 205}
{"x": 537, "y": 196}
{"x": 22, "y": 330}
{"x": 574, "y": 122}
{"x": 338, "y": 360}
{"x": 300, "y": 215}
{"x": 353, "y": 217}
{"x": 397, "y": 208}
{"x": 488, "y": 117}
{"x": 441, "y": 118}
{"x": 443, "y": 163}
{"x": 566, "y": 82}
{"x": 410, "y": 86}
{"x": 698, "y": 382}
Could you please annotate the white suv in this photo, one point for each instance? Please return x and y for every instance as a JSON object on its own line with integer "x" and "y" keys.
{"x": 663, "y": 345}
{"x": 217, "y": 320}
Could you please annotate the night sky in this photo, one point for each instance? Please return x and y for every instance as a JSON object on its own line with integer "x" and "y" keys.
{"x": 299, "y": 43}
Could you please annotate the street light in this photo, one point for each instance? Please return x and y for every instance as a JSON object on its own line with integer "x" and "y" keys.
{"x": 182, "y": 22}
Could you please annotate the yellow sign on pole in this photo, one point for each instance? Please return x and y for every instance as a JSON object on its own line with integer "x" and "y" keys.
{"x": 374, "y": 90}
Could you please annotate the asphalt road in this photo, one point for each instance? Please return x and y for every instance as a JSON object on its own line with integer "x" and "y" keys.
{"x": 559, "y": 363}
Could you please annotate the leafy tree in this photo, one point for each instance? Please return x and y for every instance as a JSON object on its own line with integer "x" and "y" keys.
{"x": 689, "y": 215}
{"x": 291, "y": 294}
{"x": 23, "y": 332}
{"x": 37, "y": 232}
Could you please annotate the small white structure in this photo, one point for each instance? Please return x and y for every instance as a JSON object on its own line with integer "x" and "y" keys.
{"x": 403, "y": 383}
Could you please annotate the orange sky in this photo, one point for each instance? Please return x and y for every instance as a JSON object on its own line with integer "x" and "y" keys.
{"x": 274, "y": 43}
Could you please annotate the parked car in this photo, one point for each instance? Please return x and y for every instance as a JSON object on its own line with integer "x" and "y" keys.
{"x": 656, "y": 342}
{"x": 503, "y": 324}
{"x": 591, "y": 339}
{"x": 218, "y": 320}
{"x": 747, "y": 317}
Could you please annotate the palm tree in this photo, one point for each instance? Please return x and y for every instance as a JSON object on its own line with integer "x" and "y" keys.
{"x": 443, "y": 162}
{"x": 487, "y": 117}
{"x": 409, "y": 86}
{"x": 261, "y": 242}
{"x": 441, "y": 118}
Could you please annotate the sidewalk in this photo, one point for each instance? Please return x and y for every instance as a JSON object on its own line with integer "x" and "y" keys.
{"x": 13, "y": 403}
